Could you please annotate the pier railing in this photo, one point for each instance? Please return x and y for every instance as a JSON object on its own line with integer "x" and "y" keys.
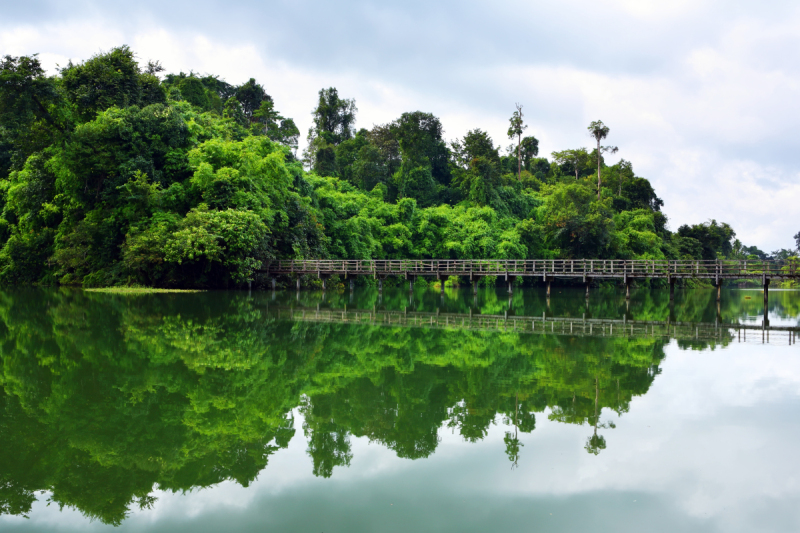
{"x": 591, "y": 268}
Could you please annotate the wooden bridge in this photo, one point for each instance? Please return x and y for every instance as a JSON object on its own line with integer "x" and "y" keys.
{"x": 547, "y": 269}
{"x": 583, "y": 327}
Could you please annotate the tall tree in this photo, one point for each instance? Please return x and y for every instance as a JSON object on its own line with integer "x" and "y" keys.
{"x": 334, "y": 116}
{"x": 334, "y": 122}
{"x": 797, "y": 240}
{"x": 419, "y": 137}
{"x": 599, "y": 131}
{"x": 515, "y": 129}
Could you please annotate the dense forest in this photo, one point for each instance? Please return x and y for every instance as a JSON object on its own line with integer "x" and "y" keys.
{"x": 113, "y": 173}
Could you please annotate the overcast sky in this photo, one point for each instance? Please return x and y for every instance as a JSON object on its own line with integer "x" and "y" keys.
{"x": 702, "y": 96}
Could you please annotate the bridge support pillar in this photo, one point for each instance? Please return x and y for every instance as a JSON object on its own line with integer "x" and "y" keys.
{"x": 510, "y": 284}
{"x": 298, "y": 283}
{"x": 548, "y": 288}
{"x": 586, "y": 282}
{"x": 352, "y": 284}
{"x": 380, "y": 285}
{"x": 719, "y": 290}
{"x": 671, "y": 289}
{"x": 324, "y": 284}
{"x": 475, "y": 285}
{"x": 627, "y": 287}
{"x": 766, "y": 295}
{"x": 273, "y": 283}
{"x": 410, "y": 284}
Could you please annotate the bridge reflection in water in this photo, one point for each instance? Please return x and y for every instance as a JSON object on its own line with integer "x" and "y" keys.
{"x": 544, "y": 325}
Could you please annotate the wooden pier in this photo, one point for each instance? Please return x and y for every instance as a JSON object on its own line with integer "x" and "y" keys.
{"x": 546, "y": 269}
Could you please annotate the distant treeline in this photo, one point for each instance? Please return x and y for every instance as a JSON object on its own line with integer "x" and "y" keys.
{"x": 111, "y": 173}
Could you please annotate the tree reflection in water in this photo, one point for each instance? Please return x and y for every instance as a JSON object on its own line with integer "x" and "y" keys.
{"x": 105, "y": 398}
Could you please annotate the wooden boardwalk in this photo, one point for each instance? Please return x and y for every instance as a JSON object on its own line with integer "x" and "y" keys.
{"x": 583, "y": 327}
{"x": 545, "y": 269}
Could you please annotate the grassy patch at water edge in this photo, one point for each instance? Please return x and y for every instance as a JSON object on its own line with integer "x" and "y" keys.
{"x": 137, "y": 290}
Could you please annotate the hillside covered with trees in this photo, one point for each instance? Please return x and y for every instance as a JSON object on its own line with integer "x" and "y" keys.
{"x": 113, "y": 173}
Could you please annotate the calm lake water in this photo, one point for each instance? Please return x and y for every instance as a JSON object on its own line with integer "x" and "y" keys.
{"x": 360, "y": 412}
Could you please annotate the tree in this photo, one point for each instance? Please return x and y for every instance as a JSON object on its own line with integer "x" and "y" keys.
{"x": 251, "y": 95}
{"x": 334, "y": 123}
{"x": 529, "y": 149}
{"x": 575, "y": 159}
{"x": 714, "y": 239}
{"x": 334, "y": 117}
{"x": 476, "y": 164}
{"x": 476, "y": 143}
{"x": 277, "y": 127}
{"x": 110, "y": 79}
{"x": 624, "y": 174}
{"x": 515, "y": 130}
{"x": 32, "y": 111}
{"x": 194, "y": 92}
{"x": 599, "y": 131}
{"x": 797, "y": 240}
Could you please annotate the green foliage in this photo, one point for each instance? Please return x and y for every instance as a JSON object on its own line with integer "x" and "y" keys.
{"x": 577, "y": 224}
{"x": 104, "y": 397}
{"x": 574, "y": 161}
{"x": 102, "y": 174}
{"x": 707, "y": 240}
{"x": 193, "y": 91}
{"x": 113, "y": 79}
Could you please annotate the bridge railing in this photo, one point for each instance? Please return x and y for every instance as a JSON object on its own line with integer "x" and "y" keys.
{"x": 533, "y": 267}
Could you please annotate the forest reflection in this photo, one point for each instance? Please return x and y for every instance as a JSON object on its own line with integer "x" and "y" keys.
{"x": 106, "y": 397}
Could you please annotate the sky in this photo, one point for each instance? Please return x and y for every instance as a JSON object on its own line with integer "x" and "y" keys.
{"x": 702, "y": 96}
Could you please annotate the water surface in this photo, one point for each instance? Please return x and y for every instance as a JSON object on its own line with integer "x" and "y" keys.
{"x": 398, "y": 412}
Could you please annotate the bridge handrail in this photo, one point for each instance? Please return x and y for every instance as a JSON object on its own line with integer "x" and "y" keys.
{"x": 574, "y": 267}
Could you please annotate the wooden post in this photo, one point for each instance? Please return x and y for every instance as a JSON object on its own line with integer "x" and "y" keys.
{"x": 719, "y": 289}
{"x": 352, "y": 284}
{"x": 475, "y": 285}
{"x": 627, "y": 288}
{"x": 324, "y": 284}
{"x": 298, "y": 283}
{"x": 766, "y": 295}
{"x": 273, "y": 284}
{"x": 380, "y": 285}
{"x": 587, "y": 289}
{"x": 548, "y": 289}
{"x": 410, "y": 284}
{"x": 671, "y": 288}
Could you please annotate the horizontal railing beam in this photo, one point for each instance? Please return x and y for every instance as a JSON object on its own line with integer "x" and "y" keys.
{"x": 609, "y": 268}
